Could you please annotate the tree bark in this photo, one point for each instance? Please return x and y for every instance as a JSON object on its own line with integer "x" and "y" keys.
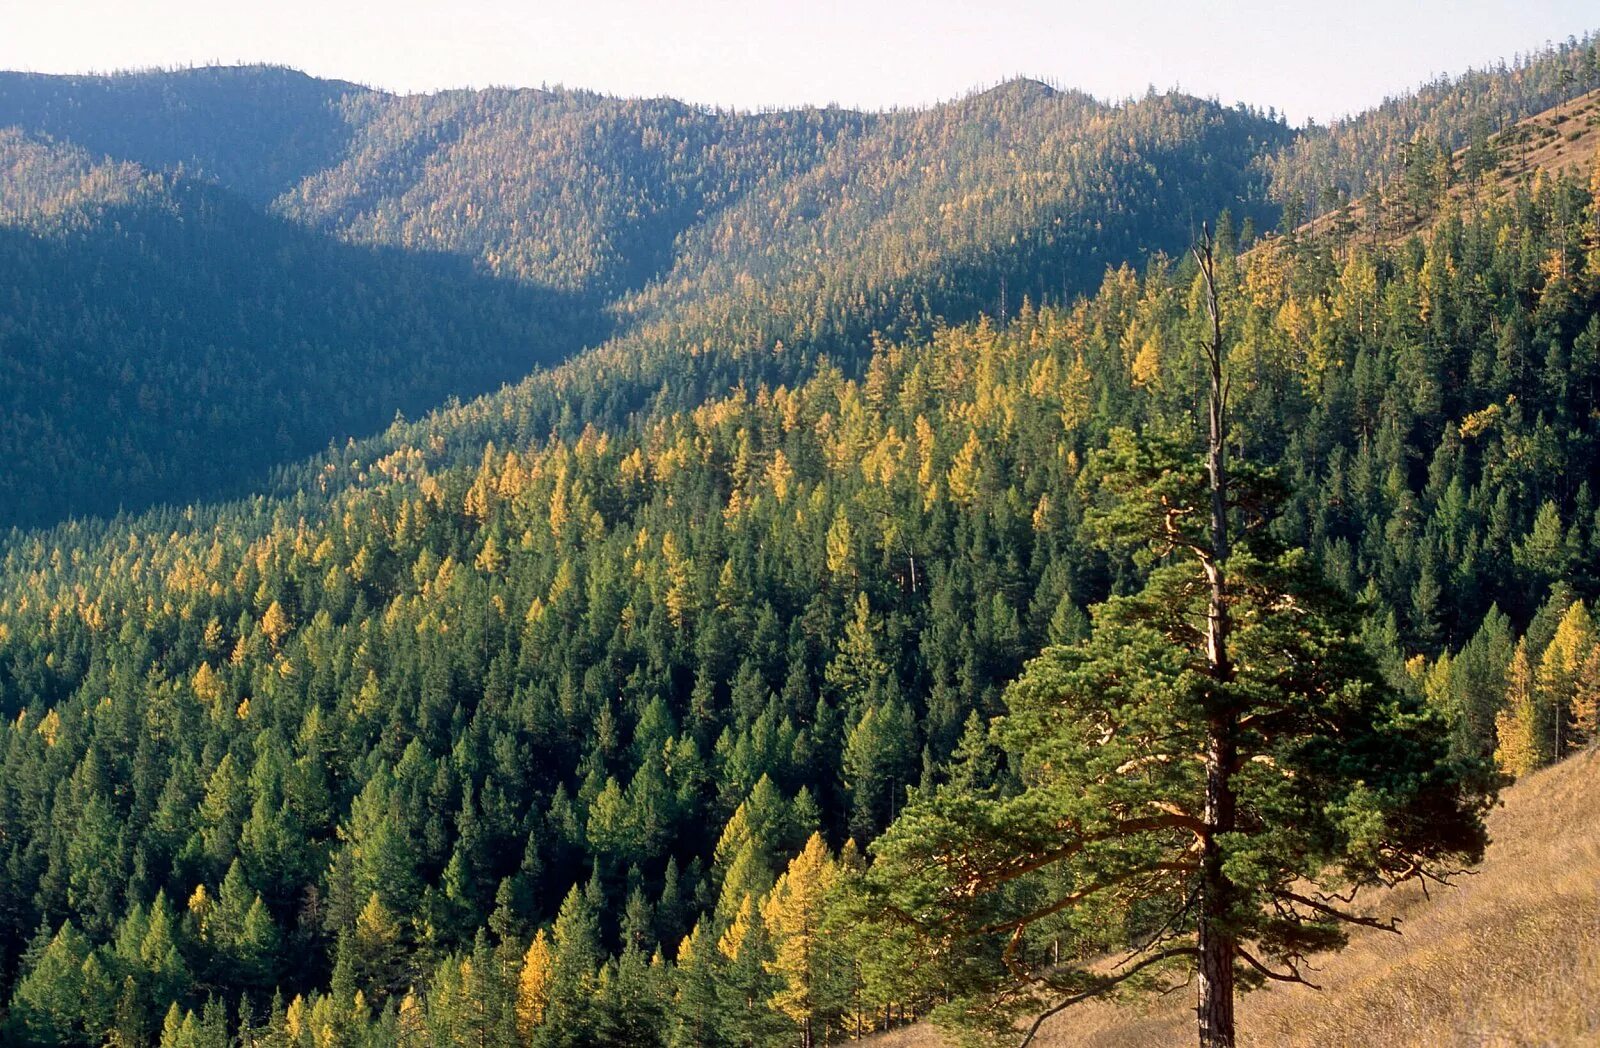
{"x": 1216, "y": 942}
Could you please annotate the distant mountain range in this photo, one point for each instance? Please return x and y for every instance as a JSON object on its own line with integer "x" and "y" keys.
{"x": 221, "y": 270}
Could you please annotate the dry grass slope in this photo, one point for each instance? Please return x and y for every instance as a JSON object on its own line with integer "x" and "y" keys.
{"x": 1560, "y": 140}
{"x": 1508, "y": 957}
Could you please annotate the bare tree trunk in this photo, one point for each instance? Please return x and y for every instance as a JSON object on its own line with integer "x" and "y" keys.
{"x": 1216, "y": 942}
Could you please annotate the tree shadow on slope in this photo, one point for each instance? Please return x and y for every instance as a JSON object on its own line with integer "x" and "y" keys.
{"x": 258, "y": 130}
{"x": 180, "y": 346}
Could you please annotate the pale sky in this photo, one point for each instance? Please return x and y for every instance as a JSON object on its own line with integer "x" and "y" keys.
{"x": 1318, "y": 60}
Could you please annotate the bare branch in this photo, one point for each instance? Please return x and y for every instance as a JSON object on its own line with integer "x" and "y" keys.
{"x": 1101, "y": 987}
{"x": 1161, "y": 933}
{"x": 1390, "y": 925}
{"x": 1293, "y": 975}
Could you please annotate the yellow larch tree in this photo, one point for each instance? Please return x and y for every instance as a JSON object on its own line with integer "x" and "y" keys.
{"x": 411, "y": 1028}
{"x": 840, "y": 544}
{"x": 794, "y": 912}
{"x": 207, "y": 685}
{"x": 533, "y": 986}
{"x": 1586, "y": 699}
{"x": 1516, "y": 726}
{"x": 275, "y": 623}
{"x": 1556, "y": 681}
{"x": 680, "y": 582}
{"x": 491, "y": 558}
{"x": 964, "y": 474}
{"x": 780, "y": 475}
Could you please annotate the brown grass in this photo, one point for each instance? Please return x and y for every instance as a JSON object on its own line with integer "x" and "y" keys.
{"x": 1559, "y": 140}
{"x": 1508, "y": 957}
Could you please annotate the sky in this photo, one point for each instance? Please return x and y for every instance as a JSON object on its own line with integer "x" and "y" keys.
{"x": 1306, "y": 60}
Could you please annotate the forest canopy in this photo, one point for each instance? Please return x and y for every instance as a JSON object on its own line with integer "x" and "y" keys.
{"x": 586, "y": 711}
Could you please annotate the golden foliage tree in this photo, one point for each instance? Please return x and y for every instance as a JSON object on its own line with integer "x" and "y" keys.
{"x": 1557, "y": 680}
{"x": 1516, "y": 726}
{"x": 275, "y": 623}
{"x": 794, "y": 912}
{"x": 533, "y": 986}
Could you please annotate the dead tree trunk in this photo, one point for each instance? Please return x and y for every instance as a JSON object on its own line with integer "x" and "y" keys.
{"x": 1217, "y": 944}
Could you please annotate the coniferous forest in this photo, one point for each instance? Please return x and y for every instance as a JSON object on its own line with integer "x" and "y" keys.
{"x": 530, "y": 567}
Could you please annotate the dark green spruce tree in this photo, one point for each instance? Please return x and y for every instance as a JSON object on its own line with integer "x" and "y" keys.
{"x": 1202, "y": 785}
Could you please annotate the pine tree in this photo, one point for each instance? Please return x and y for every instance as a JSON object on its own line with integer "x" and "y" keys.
{"x": 697, "y": 1016}
{"x": 1543, "y": 551}
{"x": 377, "y": 952}
{"x": 173, "y": 1032}
{"x": 631, "y": 1001}
{"x": 160, "y": 955}
{"x": 1198, "y": 771}
{"x": 859, "y": 673}
{"x": 48, "y": 1005}
{"x": 747, "y": 986}
{"x": 879, "y": 761}
{"x": 575, "y": 964}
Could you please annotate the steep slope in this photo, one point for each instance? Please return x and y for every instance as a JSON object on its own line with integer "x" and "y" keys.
{"x": 566, "y": 189}
{"x": 1017, "y": 193}
{"x": 1562, "y": 140}
{"x": 1324, "y": 168}
{"x": 162, "y": 340}
{"x": 1508, "y": 956}
{"x": 462, "y": 685}
{"x": 737, "y": 575}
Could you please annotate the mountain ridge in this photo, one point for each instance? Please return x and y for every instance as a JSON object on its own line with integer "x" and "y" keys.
{"x": 682, "y": 228}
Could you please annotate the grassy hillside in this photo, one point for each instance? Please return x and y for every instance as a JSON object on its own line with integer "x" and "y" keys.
{"x": 1325, "y": 167}
{"x": 1561, "y": 140}
{"x": 1509, "y": 956}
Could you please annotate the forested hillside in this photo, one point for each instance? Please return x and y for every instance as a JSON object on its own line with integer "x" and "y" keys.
{"x": 645, "y": 228}
{"x": 672, "y": 228}
{"x": 854, "y": 251}
{"x": 161, "y": 340}
{"x": 567, "y": 716}
{"x": 1325, "y": 168}
{"x": 256, "y": 130}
